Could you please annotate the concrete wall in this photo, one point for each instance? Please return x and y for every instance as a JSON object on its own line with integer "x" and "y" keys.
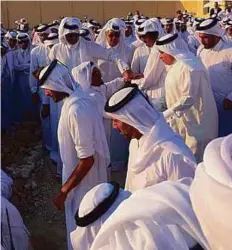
{"x": 39, "y": 12}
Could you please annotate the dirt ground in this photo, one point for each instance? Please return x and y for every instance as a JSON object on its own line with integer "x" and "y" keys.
{"x": 35, "y": 184}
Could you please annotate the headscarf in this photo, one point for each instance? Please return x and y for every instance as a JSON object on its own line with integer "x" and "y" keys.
{"x": 213, "y": 28}
{"x": 211, "y": 193}
{"x": 179, "y": 50}
{"x": 52, "y": 39}
{"x": 82, "y": 74}
{"x": 157, "y": 217}
{"x": 59, "y": 80}
{"x": 151, "y": 25}
{"x": 121, "y": 48}
{"x": 64, "y": 31}
{"x": 141, "y": 115}
{"x": 84, "y": 236}
{"x": 11, "y": 34}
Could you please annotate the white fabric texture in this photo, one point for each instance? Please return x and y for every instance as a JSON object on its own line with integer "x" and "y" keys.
{"x": 109, "y": 70}
{"x": 169, "y": 158}
{"x": 73, "y": 55}
{"x": 59, "y": 80}
{"x": 211, "y": 193}
{"x": 84, "y": 236}
{"x": 216, "y": 30}
{"x": 140, "y": 58}
{"x": 6, "y": 185}
{"x": 19, "y": 233}
{"x": 164, "y": 219}
{"x": 191, "y": 106}
{"x": 52, "y": 39}
{"x": 218, "y": 62}
{"x": 80, "y": 135}
{"x": 83, "y": 75}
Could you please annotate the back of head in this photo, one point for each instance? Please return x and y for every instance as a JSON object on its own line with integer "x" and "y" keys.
{"x": 95, "y": 208}
{"x": 211, "y": 193}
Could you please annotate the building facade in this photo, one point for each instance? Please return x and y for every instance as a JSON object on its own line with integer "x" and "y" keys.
{"x": 45, "y": 11}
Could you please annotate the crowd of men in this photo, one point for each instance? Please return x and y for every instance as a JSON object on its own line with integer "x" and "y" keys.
{"x": 152, "y": 96}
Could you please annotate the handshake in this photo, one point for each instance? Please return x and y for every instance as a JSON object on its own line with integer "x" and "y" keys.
{"x": 128, "y": 75}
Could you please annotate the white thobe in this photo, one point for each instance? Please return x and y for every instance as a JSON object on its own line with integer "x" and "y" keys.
{"x": 13, "y": 230}
{"x": 154, "y": 76}
{"x": 218, "y": 61}
{"x": 83, "y": 51}
{"x": 168, "y": 160}
{"x": 194, "y": 114}
{"x": 80, "y": 132}
{"x": 39, "y": 58}
{"x": 110, "y": 70}
{"x": 140, "y": 58}
{"x": 101, "y": 95}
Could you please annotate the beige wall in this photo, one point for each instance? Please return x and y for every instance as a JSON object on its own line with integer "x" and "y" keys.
{"x": 40, "y": 12}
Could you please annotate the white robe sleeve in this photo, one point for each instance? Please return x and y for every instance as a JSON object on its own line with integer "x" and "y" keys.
{"x": 99, "y": 52}
{"x": 135, "y": 64}
{"x": 33, "y": 82}
{"x": 82, "y": 133}
{"x": 190, "y": 85}
{"x": 20, "y": 67}
{"x": 113, "y": 86}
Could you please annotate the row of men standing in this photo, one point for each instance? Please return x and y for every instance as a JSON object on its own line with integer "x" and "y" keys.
{"x": 185, "y": 111}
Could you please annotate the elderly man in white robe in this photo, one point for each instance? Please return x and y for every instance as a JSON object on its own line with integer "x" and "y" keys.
{"x": 82, "y": 142}
{"x": 156, "y": 152}
{"x": 191, "y": 108}
{"x": 152, "y": 80}
{"x": 88, "y": 75}
{"x": 216, "y": 55}
{"x": 95, "y": 208}
{"x": 211, "y": 193}
{"x": 155, "y": 218}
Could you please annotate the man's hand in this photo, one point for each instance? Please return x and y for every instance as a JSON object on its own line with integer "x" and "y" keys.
{"x": 35, "y": 98}
{"x": 128, "y": 75}
{"x": 59, "y": 200}
{"x": 227, "y": 104}
{"x": 45, "y": 111}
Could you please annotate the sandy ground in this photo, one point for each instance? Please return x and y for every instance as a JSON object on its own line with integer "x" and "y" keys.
{"x": 33, "y": 191}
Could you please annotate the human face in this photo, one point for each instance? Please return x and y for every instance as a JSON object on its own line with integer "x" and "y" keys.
{"x": 208, "y": 41}
{"x": 166, "y": 58}
{"x": 12, "y": 42}
{"x": 55, "y": 95}
{"x": 96, "y": 77}
{"x": 23, "y": 44}
{"x": 43, "y": 36}
{"x": 229, "y": 31}
{"x": 112, "y": 38}
{"x": 168, "y": 27}
{"x": 148, "y": 40}
{"x": 128, "y": 30}
{"x": 72, "y": 38}
{"x": 128, "y": 131}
